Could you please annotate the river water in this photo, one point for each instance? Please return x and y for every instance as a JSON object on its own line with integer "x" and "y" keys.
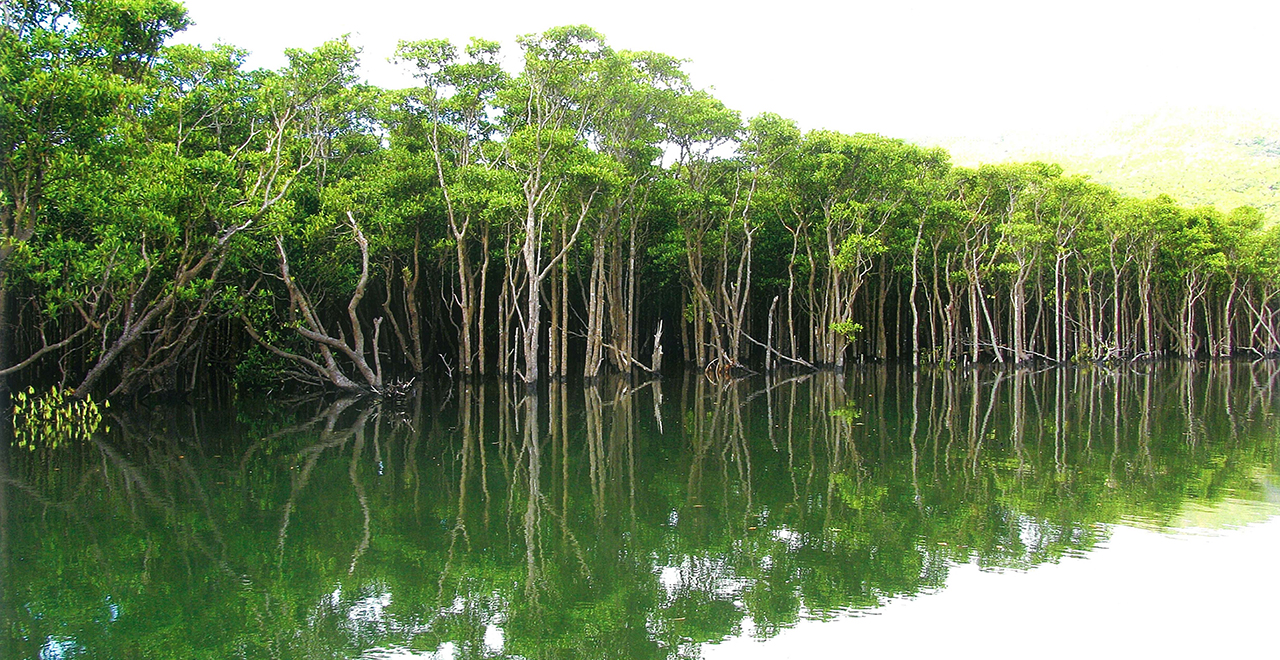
{"x": 1065, "y": 512}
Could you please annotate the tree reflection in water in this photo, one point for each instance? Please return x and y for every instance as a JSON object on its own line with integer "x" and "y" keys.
{"x": 617, "y": 519}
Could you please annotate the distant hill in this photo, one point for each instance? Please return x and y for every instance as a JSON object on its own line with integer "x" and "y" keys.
{"x": 1218, "y": 157}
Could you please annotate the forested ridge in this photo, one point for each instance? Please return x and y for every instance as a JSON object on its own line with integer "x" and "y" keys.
{"x": 169, "y": 216}
{"x": 1219, "y": 157}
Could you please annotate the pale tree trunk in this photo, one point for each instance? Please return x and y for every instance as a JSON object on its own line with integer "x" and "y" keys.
{"x": 703, "y": 306}
{"x": 564, "y": 325}
{"x": 1211, "y": 336}
{"x": 974, "y": 327}
{"x": 619, "y": 311}
{"x": 630, "y": 309}
{"x": 791, "y": 291}
{"x": 481, "y": 352}
{"x": 1144, "y": 302}
{"x": 532, "y": 321}
{"x": 460, "y": 231}
{"x": 814, "y": 356}
{"x": 768, "y": 356}
{"x": 834, "y": 342}
{"x": 1019, "y": 302}
{"x": 595, "y": 315}
{"x": 466, "y": 300}
{"x": 310, "y": 327}
{"x": 950, "y": 317}
{"x": 510, "y": 307}
{"x": 915, "y": 314}
{"x": 1116, "y": 333}
{"x": 504, "y": 327}
{"x": 553, "y": 329}
{"x": 737, "y": 296}
{"x": 1060, "y": 306}
{"x": 1197, "y": 285}
{"x": 882, "y": 332}
{"x": 700, "y": 346}
{"x": 684, "y": 326}
{"x": 742, "y": 291}
{"x": 1228, "y": 338}
{"x": 410, "y": 337}
{"x": 941, "y": 318}
{"x": 1186, "y": 318}
{"x": 535, "y": 271}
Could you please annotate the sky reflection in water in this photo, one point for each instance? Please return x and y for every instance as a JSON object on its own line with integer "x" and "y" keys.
{"x": 1142, "y": 593}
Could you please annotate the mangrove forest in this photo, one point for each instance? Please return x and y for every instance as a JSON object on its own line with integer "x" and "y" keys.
{"x": 170, "y": 217}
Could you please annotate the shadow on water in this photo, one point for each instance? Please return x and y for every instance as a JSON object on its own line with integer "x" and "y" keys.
{"x": 482, "y": 520}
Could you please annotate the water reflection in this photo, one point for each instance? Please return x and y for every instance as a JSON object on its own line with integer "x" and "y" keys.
{"x": 619, "y": 520}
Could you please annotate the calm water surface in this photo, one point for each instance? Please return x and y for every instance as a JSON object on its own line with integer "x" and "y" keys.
{"x": 1071, "y": 511}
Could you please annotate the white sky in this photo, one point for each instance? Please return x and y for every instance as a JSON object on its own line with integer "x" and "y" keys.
{"x": 906, "y": 68}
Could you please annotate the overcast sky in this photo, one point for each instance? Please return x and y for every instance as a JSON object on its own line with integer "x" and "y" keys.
{"x": 908, "y": 68}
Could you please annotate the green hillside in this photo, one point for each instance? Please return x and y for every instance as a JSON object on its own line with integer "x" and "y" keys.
{"x": 1217, "y": 157}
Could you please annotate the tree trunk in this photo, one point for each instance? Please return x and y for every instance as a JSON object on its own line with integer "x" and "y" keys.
{"x": 410, "y": 344}
{"x": 1144, "y": 301}
{"x": 768, "y": 354}
{"x": 564, "y": 322}
{"x": 553, "y": 327}
{"x": 533, "y": 295}
{"x": 620, "y": 352}
{"x": 1116, "y": 328}
{"x": 791, "y": 292}
{"x": 466, "y": 298}
{"x": 1019, "y": 301}
{"x": 1228, "y": 338}
{"x": 483, "y": 300}
{"x": 814, "y": 355}
{"x": 506, "y": 306}
{"x": 310, "y": 327}
{"x": 974, "y": 327}
{"x": 915, "y": 314}
{"x": 1059, "y": 305}
{"x": 991, "y": 328}
{"x": 6, "y": 338}
{"x": 629, "y": 311}
{"x": 882, "y": 333}
{"x": 684, "y": 326}
{"x": 595, "y": 313}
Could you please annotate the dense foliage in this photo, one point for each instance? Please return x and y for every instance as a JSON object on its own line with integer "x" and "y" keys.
{"x": 167, "y": 215}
